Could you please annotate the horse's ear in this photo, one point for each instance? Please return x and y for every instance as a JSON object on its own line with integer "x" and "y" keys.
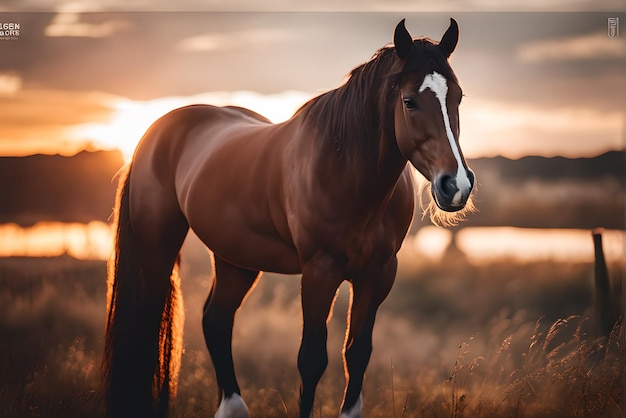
{"x": 402, "y": 40}
{"x": 450, "y": 38}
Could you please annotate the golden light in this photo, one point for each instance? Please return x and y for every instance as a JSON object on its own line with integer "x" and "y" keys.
{"x": 131, "y": 118}
{"x": 523, "y": 245}
{"x": 47, "y": 239}
{"x": 494, "y": 128}
{"x": 432, "y": 242}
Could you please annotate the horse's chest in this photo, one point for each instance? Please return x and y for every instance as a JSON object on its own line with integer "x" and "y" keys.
{"x": 367, "y": 247}
{"x": 358, "y": 256}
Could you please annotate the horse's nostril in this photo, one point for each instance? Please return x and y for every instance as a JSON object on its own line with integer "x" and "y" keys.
{"x": 472, "y": 177}
{"x": 447, "y": 185}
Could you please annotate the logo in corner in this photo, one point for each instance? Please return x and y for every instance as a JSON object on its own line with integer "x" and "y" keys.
{"x": 613, "y": 30}
{"x": 9, "y": 31}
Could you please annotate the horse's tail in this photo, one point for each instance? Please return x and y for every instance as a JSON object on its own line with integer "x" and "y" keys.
{"x": 143, "y": 343}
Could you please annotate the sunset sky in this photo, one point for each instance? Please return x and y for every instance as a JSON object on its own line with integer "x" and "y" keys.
{"x": 95, "y": 74}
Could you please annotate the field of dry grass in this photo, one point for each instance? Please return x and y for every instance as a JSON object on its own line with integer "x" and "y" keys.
{"x": 452, "y": 340}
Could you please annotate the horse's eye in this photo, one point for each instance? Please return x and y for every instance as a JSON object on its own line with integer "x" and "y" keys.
{"x": 409, "y": 103}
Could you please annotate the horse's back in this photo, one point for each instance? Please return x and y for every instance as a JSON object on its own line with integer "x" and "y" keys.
{"x": 168, "y": 138}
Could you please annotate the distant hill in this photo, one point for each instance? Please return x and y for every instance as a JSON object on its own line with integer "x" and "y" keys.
{"x": 37, "y": 188}
{"x": 530, "y": 192}
{"x": 611, "y": 164}
{"x": 557, "y": 192}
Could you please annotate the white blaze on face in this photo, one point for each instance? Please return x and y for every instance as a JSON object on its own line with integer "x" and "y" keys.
{"x": 439, "y": 85}
{"x": 232, "y": 407}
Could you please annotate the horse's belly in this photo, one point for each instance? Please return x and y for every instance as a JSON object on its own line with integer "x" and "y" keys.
{"x": 229, "y": 188}
{"x": 247, "y": 249}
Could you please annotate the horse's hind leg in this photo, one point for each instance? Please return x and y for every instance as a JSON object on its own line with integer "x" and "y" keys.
{"x": 230, "y": 287}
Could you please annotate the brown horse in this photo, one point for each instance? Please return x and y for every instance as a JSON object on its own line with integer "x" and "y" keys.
{"x": 327, "y": 194}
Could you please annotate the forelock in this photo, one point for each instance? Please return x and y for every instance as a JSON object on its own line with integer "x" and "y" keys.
{"x": 427, "y": 57}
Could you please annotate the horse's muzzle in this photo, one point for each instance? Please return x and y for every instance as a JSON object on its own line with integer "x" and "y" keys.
{"x": 450, "y": 192}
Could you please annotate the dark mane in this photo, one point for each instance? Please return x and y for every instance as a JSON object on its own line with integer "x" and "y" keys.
{"x": 351, "y": 118}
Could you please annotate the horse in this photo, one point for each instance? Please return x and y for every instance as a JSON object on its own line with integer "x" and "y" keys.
{"x": 328, "y": 194}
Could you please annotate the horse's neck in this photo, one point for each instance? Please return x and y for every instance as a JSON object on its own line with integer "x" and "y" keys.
{"x": 367, "y": 171}
{"x": 378, "y": 171}
{"x": 382, "y": 177}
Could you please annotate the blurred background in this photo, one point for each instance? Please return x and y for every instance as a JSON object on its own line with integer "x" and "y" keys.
{"x": 542, "y": 126}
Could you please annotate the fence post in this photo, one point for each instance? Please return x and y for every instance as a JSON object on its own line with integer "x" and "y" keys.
{"x": 604, "y": 310}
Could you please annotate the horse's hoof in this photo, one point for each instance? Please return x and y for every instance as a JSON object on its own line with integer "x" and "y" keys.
{"x": 232, "y": 407}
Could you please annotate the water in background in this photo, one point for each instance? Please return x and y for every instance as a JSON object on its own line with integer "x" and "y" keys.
{"x": 479, "y": 244}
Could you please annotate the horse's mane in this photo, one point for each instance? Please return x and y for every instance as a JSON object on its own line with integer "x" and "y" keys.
{"x": 353, "y": 116}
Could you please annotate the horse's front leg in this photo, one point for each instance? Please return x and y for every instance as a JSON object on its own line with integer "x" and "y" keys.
{"x": 320, "y": 282}
{"x": 369, "y": 289}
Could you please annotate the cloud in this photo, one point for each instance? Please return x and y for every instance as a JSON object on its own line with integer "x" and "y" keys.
{"x": 492, "y": 127}
{"x": 222, "y": 41}
{"x": 535, "y": 5}
{"x": 36, "y": 121}
{"x": 586, "y": 47}
{"x": 131, "y": 118}
{"x": 80, "y": 6}
{"x": 65, "y": 122}
{"x": 68, "y": 24}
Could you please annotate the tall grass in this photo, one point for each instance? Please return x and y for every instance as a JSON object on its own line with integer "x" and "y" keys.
{"x": 564, "y": 371}
{"x": 452, "y": 340}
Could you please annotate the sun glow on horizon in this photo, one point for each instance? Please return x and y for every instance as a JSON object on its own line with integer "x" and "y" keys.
{"x": 130, "y": 119}
{"x": 94, "y": 120}
{"x": 491, "y": 128}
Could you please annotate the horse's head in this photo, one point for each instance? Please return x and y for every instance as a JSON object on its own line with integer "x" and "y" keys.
{"x": 426, "y": 116}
